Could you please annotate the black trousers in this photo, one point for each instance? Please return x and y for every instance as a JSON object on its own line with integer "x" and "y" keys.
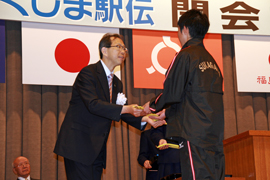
{"x": 78, "y": 171}
{"x": 201, "y": 164}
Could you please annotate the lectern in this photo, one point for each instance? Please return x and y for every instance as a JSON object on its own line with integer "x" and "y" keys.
{"x": 248, "y": 155}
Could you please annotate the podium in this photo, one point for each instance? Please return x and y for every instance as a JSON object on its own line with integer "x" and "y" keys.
{"x": 248, "y": 155}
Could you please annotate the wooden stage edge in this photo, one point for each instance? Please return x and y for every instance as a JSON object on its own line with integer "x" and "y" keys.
{"x": 246, "y": 134}
{"x": 226, "y": 178}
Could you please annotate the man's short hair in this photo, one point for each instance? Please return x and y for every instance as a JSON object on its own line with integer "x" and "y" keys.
{"x": 106, "y": 41}
{"x": 197, "y": 23}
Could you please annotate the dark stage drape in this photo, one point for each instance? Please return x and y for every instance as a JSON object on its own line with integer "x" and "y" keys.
{"x": 31, "y": 115}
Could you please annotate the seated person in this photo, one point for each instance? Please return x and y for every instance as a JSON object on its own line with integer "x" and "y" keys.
{"x": 148, "y": 155}
{"x": 169, "y": 158}
{"x": 21, "y": 167}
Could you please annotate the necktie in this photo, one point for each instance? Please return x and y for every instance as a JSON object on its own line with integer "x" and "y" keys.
{"x": 110, "y": 78}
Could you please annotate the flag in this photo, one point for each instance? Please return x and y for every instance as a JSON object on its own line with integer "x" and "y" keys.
{"x": 53, "y": 54}
{"x": 252, "y": 57}
{"x": 153, "y": 52}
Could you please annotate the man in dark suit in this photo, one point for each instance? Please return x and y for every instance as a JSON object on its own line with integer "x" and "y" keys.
{"x": 92, "y": 108}
{"x": 169, "y": 158}
{"x": 148, "y": 155}
{"x": 21, "y": 167}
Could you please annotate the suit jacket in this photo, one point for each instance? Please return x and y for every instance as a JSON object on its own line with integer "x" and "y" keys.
{"x": 169, "y": 155}
{"x": 87, "y": 123}
{"x": 148, "y": 149}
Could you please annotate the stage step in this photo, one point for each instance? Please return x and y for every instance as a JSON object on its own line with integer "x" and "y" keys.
{"x": 226, "y": 178}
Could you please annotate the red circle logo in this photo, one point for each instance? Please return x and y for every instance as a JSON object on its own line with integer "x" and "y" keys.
{"x": 72, "y": 55}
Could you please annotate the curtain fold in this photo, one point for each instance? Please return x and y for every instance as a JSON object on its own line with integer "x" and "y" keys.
{"x": 48, "y": 131}
{"x": 14, "y": 94}
{"x": 31, "y": 129}
{"x": 230, "y": 123}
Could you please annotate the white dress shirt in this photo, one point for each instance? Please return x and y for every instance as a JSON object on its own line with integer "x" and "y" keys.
{"x": 21, "y": 178}
{"x": 108, "y": 72}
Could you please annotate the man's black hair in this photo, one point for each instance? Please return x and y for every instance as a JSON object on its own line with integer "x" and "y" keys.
{"x": 106, "y": 41}
{"x": 197, "y": 23}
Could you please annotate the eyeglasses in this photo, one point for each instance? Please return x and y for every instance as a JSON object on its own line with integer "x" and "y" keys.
{"x": 22, "y": 164}
{"x": 119, "y": 47}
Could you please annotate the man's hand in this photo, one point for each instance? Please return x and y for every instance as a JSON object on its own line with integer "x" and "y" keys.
{"x": 147, "y": 164}
{"x": 131, "y": 109}
{"x": 161, "y": 115}
{"x": 146, "y": 108}
{"x": 163, "y": 141}
{"x": 155, "y": 124}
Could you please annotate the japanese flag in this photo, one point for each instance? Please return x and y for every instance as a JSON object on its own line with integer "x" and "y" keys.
{"x": 53, "y": 54}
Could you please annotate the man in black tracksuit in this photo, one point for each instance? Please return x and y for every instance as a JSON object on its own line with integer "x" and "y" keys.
{"x": 192, "y": 96}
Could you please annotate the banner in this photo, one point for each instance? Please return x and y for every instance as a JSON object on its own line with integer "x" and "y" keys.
{"x": 153, "y": 52}
{"x": 2, "y": 52}
{"x": 252, "y": 57}
{"x": 54, "y": 54}
{"x": 226, "y": 17}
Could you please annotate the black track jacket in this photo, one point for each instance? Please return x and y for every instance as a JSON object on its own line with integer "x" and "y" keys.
{"x": 192, "y": 94}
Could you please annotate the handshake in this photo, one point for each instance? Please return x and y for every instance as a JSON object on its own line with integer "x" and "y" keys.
{"x": 154, "y": 120}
